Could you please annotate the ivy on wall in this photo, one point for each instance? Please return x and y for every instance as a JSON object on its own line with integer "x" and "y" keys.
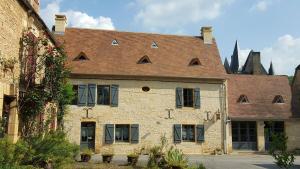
{"x": 43, "y": 80}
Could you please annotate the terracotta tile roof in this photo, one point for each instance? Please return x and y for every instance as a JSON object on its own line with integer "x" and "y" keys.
{"x": 260, "y": 90}
{"x": 170, "y": 59}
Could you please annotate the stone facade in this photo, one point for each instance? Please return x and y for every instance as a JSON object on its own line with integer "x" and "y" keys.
{"x": 15, "y": 18}
{"x": 148, "y": 109}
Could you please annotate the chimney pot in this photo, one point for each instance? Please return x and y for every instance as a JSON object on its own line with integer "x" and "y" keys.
{"x": 60, "y": 24}
{"x": 206, "y": 33}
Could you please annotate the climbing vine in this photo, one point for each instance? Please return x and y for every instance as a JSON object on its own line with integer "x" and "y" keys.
{"x": 43, "y": 82}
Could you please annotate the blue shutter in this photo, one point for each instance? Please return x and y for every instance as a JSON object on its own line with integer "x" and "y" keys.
{"x": 109, "y": 133}
{"x": 91, "y": 94}
{"x": 82, "y": 95}
{"x": 134, "y": 133}
{"x": 200, "y": 133}
{"x": 114, "y": 95}
{"x": 179, "y": 97}
{"x": 197, "y": 101}
{"x": 177, "y": 133}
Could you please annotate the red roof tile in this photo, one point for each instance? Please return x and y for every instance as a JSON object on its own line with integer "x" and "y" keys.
{"x": 170, "y": 59}
{"x": 260, "y": 90}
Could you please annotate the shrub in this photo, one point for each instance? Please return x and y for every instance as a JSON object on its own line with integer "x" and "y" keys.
{"x": 278, "y": 149}
{"x": 52, "y": 148}
{"x": 175, "y": 158}
{"x": 200, "y": 166}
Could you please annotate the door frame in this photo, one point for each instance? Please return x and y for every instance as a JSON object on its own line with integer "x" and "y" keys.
{"x": 91, "y": 135}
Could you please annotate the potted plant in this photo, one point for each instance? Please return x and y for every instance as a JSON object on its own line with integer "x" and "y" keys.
{"x": 133, "y": 158}
{"x": 86, "y": 155}
{"x": 107, "y": 156}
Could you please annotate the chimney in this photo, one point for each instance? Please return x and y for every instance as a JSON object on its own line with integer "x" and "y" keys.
{"x": 35, "y": 5}
{"x": 60, "y": 24}
{"x": 206, "y": 33}
{"x": 256, "y": 63}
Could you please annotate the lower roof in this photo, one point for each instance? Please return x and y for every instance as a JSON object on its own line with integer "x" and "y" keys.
{"x": 260, "y": 91}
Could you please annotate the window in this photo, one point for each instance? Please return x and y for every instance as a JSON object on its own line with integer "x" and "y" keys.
{"x": 144, "y": 60}
{"x": 154, "y": 45}
{"x": 188, "y": 133}
{"x": 146, "y": 89}
{"x": 122, "y": 133}
{"x": 195, "y": 62}
{"x": 75, "y": 99}
{"x": 243, "y": 131}
{"x": 243, "y": 99}
{"x": 103, "y": 94}
{"x": 81, "y": 57}
{"x": 278, "y": 99}
{"x": 188, "y": 100}
{"x": 115, "y": 42}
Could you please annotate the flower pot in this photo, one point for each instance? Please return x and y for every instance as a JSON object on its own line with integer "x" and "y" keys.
{"x": 132, "y": 160}
{"x": 85, "y": 157}
{"x": 107, "y": 158}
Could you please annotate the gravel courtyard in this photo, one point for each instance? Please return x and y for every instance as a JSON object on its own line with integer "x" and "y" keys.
{"x": 240, "y": 161}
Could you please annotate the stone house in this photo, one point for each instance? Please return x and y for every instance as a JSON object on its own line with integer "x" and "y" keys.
{"x": 16, "y": 16}
{"x": 133, "y": 88}
{"x": 259, "y": 106}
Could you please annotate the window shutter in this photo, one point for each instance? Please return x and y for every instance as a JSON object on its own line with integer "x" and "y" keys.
{"x": 91, "y": 94}
{"x": 177, "y": 133}
{"x": 200, "y": 133}
{"x": 134, "y": 133}
{"x": 82, "y": 95}
{"x": 109, "y": 133}
{"x": 179, "y": 97}
{"x": 197, "y": 101}
{"x": 114, "y": 95}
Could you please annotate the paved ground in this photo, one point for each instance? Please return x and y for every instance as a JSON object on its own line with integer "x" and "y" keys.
{"x": 217, "y": 162}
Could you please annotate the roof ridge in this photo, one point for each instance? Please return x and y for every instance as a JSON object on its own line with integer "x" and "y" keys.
{"x": 146, "y": 33}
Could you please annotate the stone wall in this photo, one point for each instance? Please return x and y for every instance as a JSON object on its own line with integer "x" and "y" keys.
{"x": 292, "y": 131}
{"x": 148, "y": 109}
{"x": 14, "y": 20}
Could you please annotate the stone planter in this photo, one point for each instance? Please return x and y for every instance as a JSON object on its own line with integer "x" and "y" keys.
{"x": 132, "y": 160}
{"x": 85, "y": 157}
{"x": 107, "y": 158}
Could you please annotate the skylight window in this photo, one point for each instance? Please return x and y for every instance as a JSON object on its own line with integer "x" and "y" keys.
{"x": 278, "y": 99}
{"x": 144, "y": 60}
{"x": 195, "y": 62}
{"x": 115, "y": 42}
{"x": 154, "y": 45}
{"x": 243, "y": 99}
{"x": 81, "y": 57}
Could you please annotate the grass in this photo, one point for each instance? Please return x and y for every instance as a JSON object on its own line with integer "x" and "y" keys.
{"x": 90, "y": 165}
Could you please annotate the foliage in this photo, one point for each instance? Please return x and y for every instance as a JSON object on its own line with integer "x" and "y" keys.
{"x": 290, "y": 79}
{"x": 200, "y": 166}
{"x": 136, "y": 153}
{"x": 12, "y": 154}
{"x": 51, "y": 148}
{"x": 41, "y": 59}
{"x": 8, "y": 63}
{"x": 278, "y": 149}
{"x": 175, "y": 158}
{"x": 157, "y": 152}
{"x": 86, "y": 151}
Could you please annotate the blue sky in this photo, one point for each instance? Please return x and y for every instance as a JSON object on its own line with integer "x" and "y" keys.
{"x": 269, "y": 26}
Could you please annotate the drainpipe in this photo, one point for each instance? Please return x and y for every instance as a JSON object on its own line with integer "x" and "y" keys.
{"x": 225, "y": 118}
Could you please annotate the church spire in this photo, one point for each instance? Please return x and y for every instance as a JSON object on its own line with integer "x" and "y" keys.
{"x": 234, "y": 65}
{"x": 271, "y": 70}
{"x": 227, "y": 67}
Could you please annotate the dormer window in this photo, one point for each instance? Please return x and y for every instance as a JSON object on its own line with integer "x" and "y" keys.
{"x": 144, "y": 60}
{"x": 154, "y": 45}
{"x": 243, "y": 99}
{"x": 195, "y": 62}
{"x": 278, "y": 99}
{"x": 81, "y": 57}
{"x": 115, "y": 42}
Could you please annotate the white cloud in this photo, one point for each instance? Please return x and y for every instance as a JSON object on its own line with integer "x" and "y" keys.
{"x": 284, "y": 53}
{"x": 75, "y": 18}
{"x": 261, "y": 5}
{"x": 155, "y": 14}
